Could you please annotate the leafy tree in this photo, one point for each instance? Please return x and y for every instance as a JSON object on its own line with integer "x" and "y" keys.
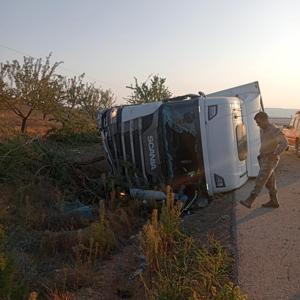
{"x": 146, "y": 92}
{"x": 4, "y": 91}
{"x": 79, "y": 103}
{"x": 28, "y": 87}
{"x": 85, "y": 96}
{"x": 95, "y": 99}
{"x": 72, "y": 93}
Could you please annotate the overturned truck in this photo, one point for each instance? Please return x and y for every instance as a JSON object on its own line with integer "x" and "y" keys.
{"x": 193, "y": 142}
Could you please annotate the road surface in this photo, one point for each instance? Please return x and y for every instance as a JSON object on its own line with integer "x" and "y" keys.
{"x": 268, "y": 240}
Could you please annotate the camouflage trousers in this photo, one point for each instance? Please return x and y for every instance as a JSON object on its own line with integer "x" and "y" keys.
{"x": 266, "y": 176}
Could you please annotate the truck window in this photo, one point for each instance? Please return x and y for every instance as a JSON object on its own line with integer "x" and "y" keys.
{"x": 182, "y": 139}
{"x": 241, "y": 138}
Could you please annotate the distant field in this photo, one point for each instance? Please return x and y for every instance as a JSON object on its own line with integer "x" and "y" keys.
{"x": 280, "y": 112}
{"x": 10, "y": 124}
{"x": 280, "y": 121}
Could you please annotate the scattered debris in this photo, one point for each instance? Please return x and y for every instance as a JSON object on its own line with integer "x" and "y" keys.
{"x": 147, "y": 194}
{"x": 202, "y": 201}
{"x": 141, "y": 268}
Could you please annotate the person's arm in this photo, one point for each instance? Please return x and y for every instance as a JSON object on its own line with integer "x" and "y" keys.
{"x": 282, "y": 143}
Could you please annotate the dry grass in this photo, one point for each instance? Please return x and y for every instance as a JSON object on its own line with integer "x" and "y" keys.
{"x": 11, "y": 124}
{"x": 52, "y": 249}
{"x": 178, "y": 267}
{"x": 71, "y": 279}
{"x": 65, "y": 249}
{"x": 53, "y": 294}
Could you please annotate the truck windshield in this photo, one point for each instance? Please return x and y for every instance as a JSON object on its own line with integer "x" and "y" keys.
{"x": 182, "y": 139}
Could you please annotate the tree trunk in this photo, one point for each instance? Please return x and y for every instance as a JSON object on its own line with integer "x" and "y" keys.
{"x": 24, "y": 125}
{"x": 24, "y": 121}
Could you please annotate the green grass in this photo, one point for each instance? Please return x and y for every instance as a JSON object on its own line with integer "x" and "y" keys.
{"x": 75, "y": 138}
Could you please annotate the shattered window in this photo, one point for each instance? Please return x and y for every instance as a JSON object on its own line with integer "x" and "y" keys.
{"x": 241, "y": 138}
{"x": 182, "y": 139}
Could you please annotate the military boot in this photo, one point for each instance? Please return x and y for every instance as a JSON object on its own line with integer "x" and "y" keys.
{"x": 273, "y": 201}
{"x": 248, "y": 202}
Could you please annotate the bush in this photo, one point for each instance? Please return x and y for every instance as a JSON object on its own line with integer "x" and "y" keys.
{"x": 14, "y": 158}
{"x": 100, "y": 241}
{"x": 75, "y": 138}
{"x": 9, "y": 288}
{"x": 24, "y": 159}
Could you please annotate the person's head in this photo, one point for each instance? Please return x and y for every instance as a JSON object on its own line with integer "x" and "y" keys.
{"x": 262, "y": 119}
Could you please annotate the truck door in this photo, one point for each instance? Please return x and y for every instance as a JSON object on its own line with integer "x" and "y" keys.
{"x": 249, "y": 94}
{"x": 226, "y": 143}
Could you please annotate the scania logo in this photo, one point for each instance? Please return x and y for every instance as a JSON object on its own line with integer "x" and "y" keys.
{"x": 152, "y": 155}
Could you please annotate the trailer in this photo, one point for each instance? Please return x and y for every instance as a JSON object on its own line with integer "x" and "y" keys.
{"x": 189, "y": 142}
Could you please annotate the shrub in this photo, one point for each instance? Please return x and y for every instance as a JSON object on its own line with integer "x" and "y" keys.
{"x": 100, "y": 242}
{"x": 9, "y": 288}
{"x": 178, "y": 268}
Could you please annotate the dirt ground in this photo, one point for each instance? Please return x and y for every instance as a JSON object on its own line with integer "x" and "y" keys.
{"x": 268, "y": 240}
{"x": 112, "y": 281}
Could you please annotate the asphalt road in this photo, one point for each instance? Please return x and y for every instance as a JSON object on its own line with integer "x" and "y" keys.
{"x": 268, "y": 240}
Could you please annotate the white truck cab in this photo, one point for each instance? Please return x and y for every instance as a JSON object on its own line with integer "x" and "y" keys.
{"x": 206, "y": 142}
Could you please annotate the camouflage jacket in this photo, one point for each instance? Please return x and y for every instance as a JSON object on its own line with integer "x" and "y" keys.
{"x": 272, "y": 141}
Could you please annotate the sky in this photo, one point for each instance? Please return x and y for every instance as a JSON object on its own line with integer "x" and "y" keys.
{"x": 197, "y": 45}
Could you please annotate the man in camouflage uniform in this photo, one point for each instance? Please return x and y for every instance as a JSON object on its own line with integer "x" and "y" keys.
{"x": 273, "y": 143}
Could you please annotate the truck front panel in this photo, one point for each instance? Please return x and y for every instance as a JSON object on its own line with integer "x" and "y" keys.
{"x": 155, "y": 147}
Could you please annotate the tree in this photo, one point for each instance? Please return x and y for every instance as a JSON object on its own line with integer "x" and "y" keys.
{"x": 73, "y": 89}
{"x": 4, "y": 91}
{"x": 28, "y": 87}
{"x": 145, "y": 93}
{"x": 85, "y": 96}
{"x": 95, "y": 99}
{"x": 79, "y": 104}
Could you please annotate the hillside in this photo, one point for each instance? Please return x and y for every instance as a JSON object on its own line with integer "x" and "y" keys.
{"x": 280, "y": 112}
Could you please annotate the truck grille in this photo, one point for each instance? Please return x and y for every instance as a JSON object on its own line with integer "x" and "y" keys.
{"x": 124, "y": 145}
